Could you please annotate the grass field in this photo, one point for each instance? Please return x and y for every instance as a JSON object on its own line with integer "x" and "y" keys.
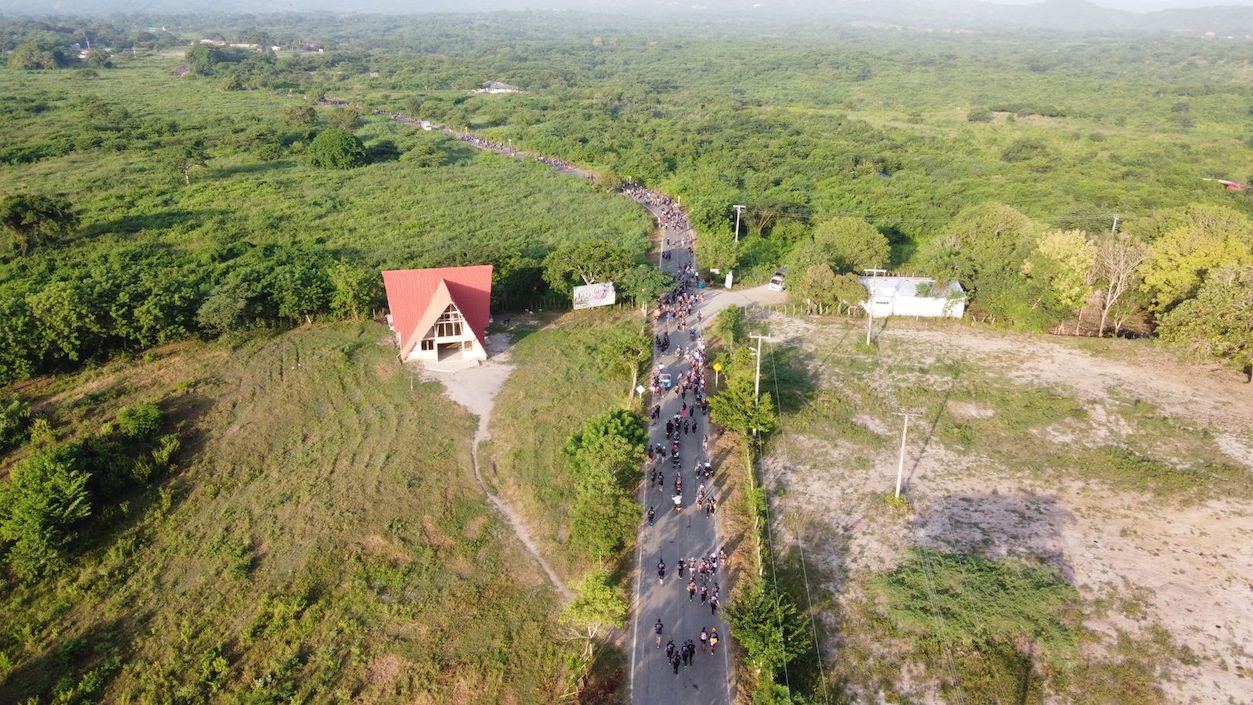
{"x": 324, "y": 542}
{"x": 559, "y": 382}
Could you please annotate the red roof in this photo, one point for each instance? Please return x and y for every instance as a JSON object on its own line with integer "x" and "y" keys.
{"x": 412, "y": 292}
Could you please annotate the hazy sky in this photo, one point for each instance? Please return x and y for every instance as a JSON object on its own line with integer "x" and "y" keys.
{"x": 166, "y": 6}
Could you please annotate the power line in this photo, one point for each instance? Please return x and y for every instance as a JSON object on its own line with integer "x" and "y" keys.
{"x": 800, "y": 547}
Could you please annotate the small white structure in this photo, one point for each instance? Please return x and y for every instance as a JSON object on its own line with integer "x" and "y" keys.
{"x": 914, "y": 296}
{"x": 497, "y": 87}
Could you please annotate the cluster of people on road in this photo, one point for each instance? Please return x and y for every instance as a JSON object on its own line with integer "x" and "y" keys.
{"x": 683, "y": 655}
{"x": 668, "y": 212}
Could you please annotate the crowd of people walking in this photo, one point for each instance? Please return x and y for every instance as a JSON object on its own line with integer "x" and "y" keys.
{"x": 678, "y": 327}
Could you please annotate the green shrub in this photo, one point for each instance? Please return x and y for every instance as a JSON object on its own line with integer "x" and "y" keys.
{"x": 39, "y": 506}
{"x": 337, "y": 149}
{"x": 14, "y": 421}
{"x": 139, "y": 421}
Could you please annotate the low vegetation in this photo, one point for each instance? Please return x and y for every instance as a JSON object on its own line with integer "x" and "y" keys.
{"x": 319, "y": 535}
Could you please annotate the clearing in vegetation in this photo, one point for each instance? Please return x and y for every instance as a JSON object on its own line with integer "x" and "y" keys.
{"x": 1076, "y": 514}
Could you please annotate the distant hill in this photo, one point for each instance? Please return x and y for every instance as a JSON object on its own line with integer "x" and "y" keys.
{"x": 1061, "y": 15}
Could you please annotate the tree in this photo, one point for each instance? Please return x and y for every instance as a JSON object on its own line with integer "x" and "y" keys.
{"x": 852, "y": 244}
{"x": 1218, "y": 322}
{"x": 39, "y": 505}
{"x": 1203, "y": 238}
{"x": 816, "y": 285}
{"x": 735, "y": 408}
{"x": 731, "y": 325}
{"x": 604, "y": 457}
{"x": 849, "y": 291}
{"x": 354, "y": 290}
{"x": 587, "y": 261}
{"x": 202, "y": 58}
{"x": 32, "y": 220}
{"x": 35, "y": 56}
{"x": 426, "y": 152}
{"x": 1063, "y": 263}
{"x": 768, "y": 626}
{"x": 597, "y": 605}
{"x": 344, "y": 119}
{"x": 716, "y": 248}
{"x": 300, "y": 116}
{"x": 1118, "y": 259}
{"x": 182, "y": 160}
{"x": 334, "y": 148}
{"x": 98, "y": 58}
{"x": 983, "y": 248}
{"x": 67, "y": 318}
{"x": 627, "y": 351}
{"x": 643, "y": 283}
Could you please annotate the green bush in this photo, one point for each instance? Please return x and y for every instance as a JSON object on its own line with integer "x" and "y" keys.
{"x": 140, "y": 421}
{"x": 39, "y": 506}
{"x": 14, "y": 422}
{"x": 335, "y": 148}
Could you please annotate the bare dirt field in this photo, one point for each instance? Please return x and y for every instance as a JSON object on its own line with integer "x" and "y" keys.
{"x": 1010, "y": 455}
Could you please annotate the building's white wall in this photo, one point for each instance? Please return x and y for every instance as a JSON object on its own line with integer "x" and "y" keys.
{"x": 473, "y": 351}
{"x": 918, "y": 306}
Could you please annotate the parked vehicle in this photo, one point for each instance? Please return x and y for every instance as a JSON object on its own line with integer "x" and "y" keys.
{"x": 776, "y": 282}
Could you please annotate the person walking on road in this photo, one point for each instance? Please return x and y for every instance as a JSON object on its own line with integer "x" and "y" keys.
{"x": 657, "y": 629}
{"x": 691, "y": 589}
{"x": 652, "y": 515}
{"x": 670, "y": 649}
{"x": 713, "y": 605}
{"x": 704, "y": 637}
{"x": 661, "y": 575}
{"x": 713, "y": 641}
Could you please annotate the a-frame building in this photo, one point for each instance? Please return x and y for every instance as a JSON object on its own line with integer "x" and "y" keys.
{"x": 440, "y": 314}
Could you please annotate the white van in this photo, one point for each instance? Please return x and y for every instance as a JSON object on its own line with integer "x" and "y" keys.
{"x": 776, "y": 282}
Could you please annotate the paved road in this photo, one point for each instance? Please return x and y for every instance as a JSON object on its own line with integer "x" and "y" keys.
{"x": 676, "y": 535}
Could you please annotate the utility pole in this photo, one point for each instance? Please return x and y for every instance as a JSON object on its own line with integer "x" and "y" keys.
{"x": 757, "y": 378}
{"x": 900, "y": 465}
{"x": 738, "y": 210}
{"x": 757, "y": 381}
{"x": 871, "y": 273}
{"x": 1114, "y": 229}
{"x": 869, "y": 321}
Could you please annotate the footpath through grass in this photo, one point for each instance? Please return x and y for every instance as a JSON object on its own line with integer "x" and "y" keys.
{"x": 560, "y": 381}
{"x": 325, "y": 542}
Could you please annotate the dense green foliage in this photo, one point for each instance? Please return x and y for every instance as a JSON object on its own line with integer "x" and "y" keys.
{"x": 735, "y": 407}
{"x": 14, "y": 420}
{"x": 336, "y": 148}
{"x": 769, "y": 627}
{"x": 1219, "y": 321}
{"x": 197, "y": 214}
{"x": 43, "y": 507}
{"x": 32, "y": 220}
{"x": 605, "y": 456}
{"x": 1010, "y": 626}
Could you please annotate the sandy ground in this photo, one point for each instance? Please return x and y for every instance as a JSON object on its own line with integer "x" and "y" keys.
{"x": 1187, "y": 568}
{"x": 475, "y": 387}
{"x": 717, "y": 298}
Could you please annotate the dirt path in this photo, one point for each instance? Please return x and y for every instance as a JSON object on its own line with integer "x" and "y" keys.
{"x": 475, "y": 388}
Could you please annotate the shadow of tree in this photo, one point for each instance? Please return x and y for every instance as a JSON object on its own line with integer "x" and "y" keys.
{"x": 1022, "y": 525}
{"x": 68, "y": 659}
{"x": 148, "y": 221}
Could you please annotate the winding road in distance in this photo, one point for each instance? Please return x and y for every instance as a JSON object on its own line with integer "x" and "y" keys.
{"x": 684, "y": 534}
